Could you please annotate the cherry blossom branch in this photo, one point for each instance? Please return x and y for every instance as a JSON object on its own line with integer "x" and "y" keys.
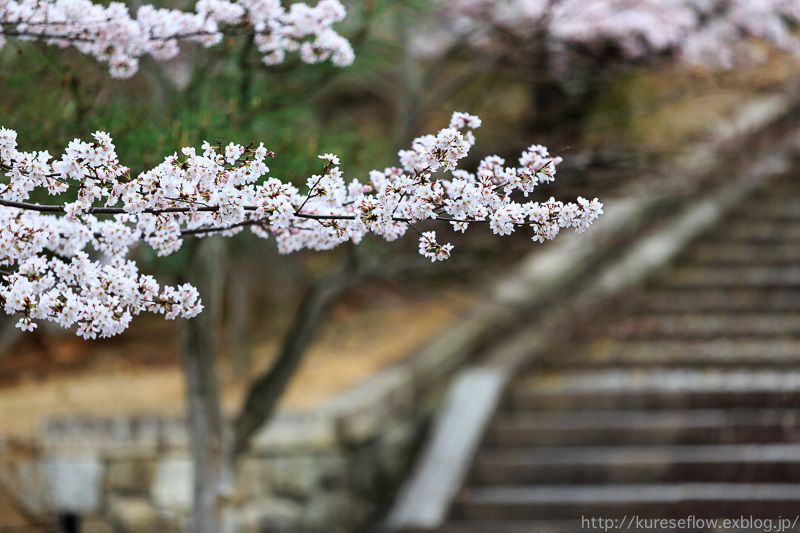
{"x": 110, "y": 34}
{"x": 224, "y": 190}
{"x": 39, "y": 208}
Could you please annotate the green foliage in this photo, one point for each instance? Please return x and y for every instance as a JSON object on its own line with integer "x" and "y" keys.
{"x": 297, "y": 110}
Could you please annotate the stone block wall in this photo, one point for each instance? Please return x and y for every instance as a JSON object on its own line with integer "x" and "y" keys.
{"x": 328, "y": 469}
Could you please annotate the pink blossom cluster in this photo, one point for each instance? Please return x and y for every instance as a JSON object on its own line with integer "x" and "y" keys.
{"x": 110, "y": 34}
{"x": 67, "y": 261}
{"x": 709, "y": 31}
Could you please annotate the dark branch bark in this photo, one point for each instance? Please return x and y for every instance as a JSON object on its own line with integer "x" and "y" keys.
{"x": 204, "y": 209}
{"x": 241, "y": 311}
{"x": 264, "y": 394}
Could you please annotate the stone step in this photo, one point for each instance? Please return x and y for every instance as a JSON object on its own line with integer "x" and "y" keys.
{"x": 758, "y": 231}
{"x": 731, "y": 351}
{"x": 782, "y": 208}
{"x": 701, "y": 500}
{"x": 717, "y": 252}
{"x": 779, "y": 188}
{"x": 682, "y": 401}
{"x": 782, "y": 326}
{"x": 714, "y": 426}
{"x": 729, "y": 277}
{"x": 618, "y": 524}
{"x": 765, "y": 463}
{"x": 704, "y": 299}
{"x": 626, "y": 388}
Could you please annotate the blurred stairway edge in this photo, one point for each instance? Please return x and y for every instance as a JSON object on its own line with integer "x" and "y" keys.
{"x": 455, "y": 485}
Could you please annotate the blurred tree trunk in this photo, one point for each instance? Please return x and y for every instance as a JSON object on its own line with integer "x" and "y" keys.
{"x": 209, "y": 433}
{"x": 241, "y": 310}
{"x": 409, "y": 115}
{"x": 215, "y": 443}
{"x": 9, "y": 333}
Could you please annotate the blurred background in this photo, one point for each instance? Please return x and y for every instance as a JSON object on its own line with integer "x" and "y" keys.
{"x": 624, "y": 100}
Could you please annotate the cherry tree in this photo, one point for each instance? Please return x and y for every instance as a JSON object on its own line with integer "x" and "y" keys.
{"x": 710, "y": 31}
{"x": 68, "y": 260}
{"x": 225, "y": 190}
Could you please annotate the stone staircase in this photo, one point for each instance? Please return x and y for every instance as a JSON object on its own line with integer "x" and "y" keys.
{"x": 682, "y": 401}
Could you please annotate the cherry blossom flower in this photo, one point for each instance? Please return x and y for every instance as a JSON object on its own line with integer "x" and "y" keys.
{"x": 67, "y": 262}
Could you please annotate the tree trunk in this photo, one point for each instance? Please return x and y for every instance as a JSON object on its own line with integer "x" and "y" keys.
{"x": 216, "y": 444}
{"x": 240, "y": 313}
{"x": 209, "y": 434}
{"x": 9, "y": 334}
{"x": 408, "y": 116}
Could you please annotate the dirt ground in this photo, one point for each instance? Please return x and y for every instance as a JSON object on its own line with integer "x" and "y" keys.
{"x": 140, "y": 373}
